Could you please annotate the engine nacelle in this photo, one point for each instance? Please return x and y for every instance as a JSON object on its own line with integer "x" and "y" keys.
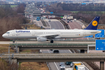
{"x": 41, "y": 39}
{"x": 57, "y": 37}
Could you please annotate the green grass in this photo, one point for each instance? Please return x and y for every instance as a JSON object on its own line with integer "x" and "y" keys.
{"x": 2, "y": 5}
{"x": 74, "y": 11}
{"x": 103, "y": 12}
{"x": 12, "y": 6}
{"x": 89, "y": 12}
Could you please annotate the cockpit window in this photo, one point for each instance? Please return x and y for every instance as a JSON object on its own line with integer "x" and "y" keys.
{"x": 7, "y": 32}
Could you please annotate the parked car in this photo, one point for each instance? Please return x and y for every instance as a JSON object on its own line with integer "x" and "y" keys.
{"x": 62, "y": 66}
{"x": 68, "y": 63}
{"x": 56, "y": 51}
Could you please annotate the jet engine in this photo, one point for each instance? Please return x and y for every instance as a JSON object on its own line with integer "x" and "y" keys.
{"x": 57, "y": 37}
{"x": 41, "y": 39}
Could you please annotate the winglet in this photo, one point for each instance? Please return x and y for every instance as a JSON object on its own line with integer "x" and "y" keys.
{"x": 94, "y": 24}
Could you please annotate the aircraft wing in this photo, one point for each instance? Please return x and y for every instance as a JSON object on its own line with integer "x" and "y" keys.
{"x": 49, "y": 36}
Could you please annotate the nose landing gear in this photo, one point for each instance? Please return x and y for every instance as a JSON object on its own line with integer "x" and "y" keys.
{"x": 51, "y": 41}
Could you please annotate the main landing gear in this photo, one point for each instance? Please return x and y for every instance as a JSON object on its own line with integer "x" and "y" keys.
{"x": 51, "y": 41}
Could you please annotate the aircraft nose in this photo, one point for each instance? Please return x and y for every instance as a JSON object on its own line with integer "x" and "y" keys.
{"x": 4, "y": 35}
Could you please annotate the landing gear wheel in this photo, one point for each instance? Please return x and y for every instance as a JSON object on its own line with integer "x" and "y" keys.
{"x": 13, "y": 41}
{"x": 51, "y": 41}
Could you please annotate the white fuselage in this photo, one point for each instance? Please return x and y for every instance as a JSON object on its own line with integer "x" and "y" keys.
{"x": 20, "y": 34}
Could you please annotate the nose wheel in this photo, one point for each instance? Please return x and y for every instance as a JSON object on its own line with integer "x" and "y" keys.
{"x": 13, "y": 41}
{"x": 51, "y": 41}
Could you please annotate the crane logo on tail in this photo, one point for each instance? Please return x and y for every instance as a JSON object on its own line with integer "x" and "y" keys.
{"x": 94, "y": 23}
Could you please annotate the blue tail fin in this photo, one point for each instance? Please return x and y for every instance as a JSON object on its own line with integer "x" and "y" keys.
{"x": 94, "y": 24}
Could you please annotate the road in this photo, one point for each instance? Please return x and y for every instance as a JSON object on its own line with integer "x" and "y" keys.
{"x": 52, "y": 65}
{"x": 55, "y": 24}
{"x": 55, "y": 65}
{"x": 38, "y": 23}
{"x": 73, "y": 24}
{"x": 36, "y": 42}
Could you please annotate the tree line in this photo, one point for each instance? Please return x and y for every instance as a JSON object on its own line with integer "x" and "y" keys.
{"x": 86, "y": 16}
{"x": 81, "y": 7}
{"x": 9, "y": 19}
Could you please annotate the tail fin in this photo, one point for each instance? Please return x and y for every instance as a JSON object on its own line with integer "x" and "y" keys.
{"x": 94, "y": 24}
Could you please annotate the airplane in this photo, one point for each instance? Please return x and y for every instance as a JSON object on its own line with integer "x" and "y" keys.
{"x": 51, "y": 34}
